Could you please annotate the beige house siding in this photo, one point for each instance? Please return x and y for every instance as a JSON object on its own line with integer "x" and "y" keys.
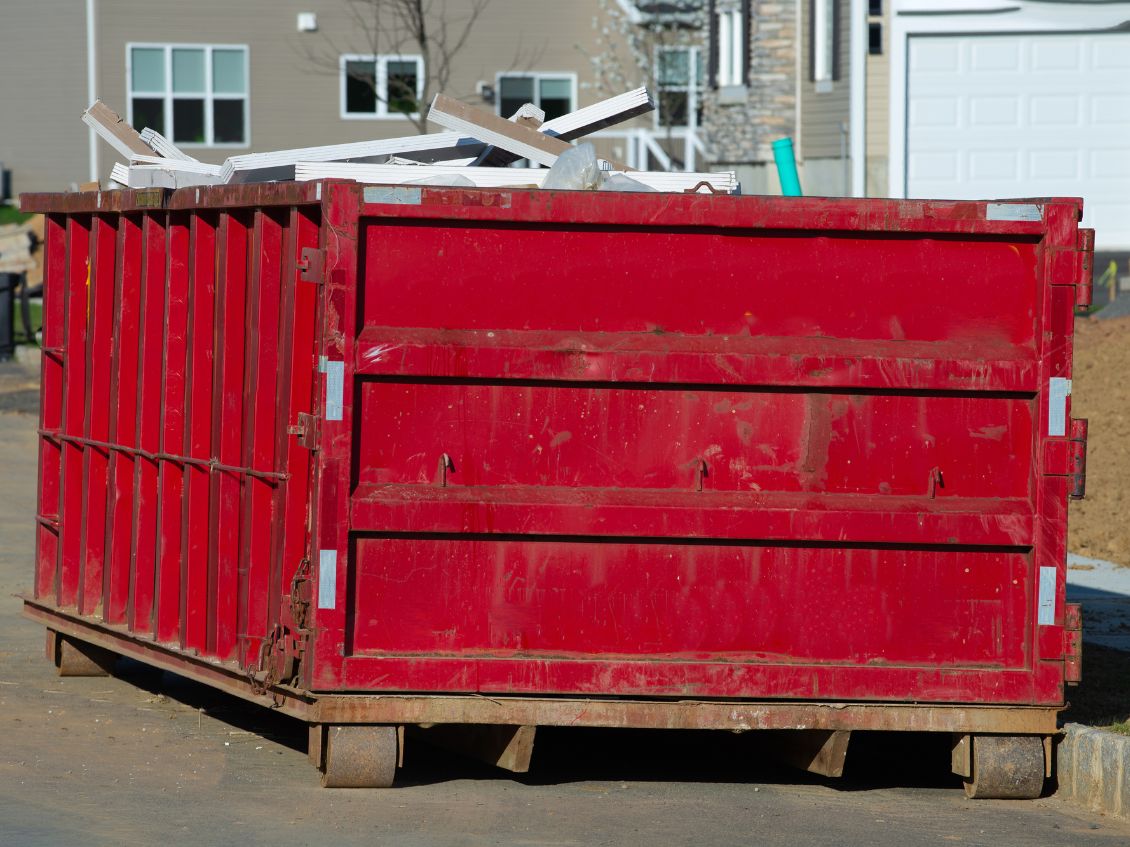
{"x": 878, "y": 111}
{"x": 42, "y": 94}
{"x": 822, "y": 113}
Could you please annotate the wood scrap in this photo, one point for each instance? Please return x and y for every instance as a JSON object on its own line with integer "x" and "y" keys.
{"x": 492, "y": 129}
{"x": 115, "y": 131}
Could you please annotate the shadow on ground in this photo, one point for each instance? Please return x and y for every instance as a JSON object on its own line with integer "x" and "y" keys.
{"x": 565, "y": 755}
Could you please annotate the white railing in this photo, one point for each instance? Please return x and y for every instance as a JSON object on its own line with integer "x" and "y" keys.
{"x": 643, "y": 147}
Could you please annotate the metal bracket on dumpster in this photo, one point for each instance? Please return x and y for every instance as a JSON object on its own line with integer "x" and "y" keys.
{"x": 306, "y": 429}
{"x": 311, "y": 265}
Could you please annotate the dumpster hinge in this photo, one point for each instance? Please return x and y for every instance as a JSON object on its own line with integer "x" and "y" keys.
{"x": 311, "y": 265}
{"x": 1072, "y": 643}
{"x": 1084, "y": 287}
{"x": 1078, "y": 467}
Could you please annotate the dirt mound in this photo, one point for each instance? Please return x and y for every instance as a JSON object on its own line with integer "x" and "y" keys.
{"x": 1099, "y": 526}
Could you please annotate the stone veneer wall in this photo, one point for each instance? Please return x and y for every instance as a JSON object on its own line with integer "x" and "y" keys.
{"x": 741, "y": 132}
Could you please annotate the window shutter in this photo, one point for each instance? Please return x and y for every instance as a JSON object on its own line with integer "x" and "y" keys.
{"x": 747, "y": 40}
{"x": 837, "y": 32}
{"x": 712, "y": 42}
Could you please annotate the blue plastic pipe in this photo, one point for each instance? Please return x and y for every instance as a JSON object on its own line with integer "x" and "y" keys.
{"x": 785, "y": 158}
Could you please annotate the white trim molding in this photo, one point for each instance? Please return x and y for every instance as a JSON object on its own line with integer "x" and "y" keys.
{"x": 857, "y": 104}
{"x": 910, "y": 18}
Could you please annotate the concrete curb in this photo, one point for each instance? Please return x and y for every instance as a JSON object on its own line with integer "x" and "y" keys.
{"x": 1089, "y": 768}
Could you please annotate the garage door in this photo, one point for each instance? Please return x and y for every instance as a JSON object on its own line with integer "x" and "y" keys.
{"x": 992, "y": 116}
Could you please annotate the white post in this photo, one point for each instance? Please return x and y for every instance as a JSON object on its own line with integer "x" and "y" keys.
{"x": 858, "y": 103}
{"x": 91, "y": 86}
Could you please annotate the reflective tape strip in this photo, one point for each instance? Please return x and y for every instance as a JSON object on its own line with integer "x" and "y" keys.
{"x": 335, "y": 388}
{"x": 1059, "y": 389}
{"x": 1014, "y": 212}
{"x": 327, "y": 579}
{"x": 394, "y": 196}
{"x": 1045, "y": 613}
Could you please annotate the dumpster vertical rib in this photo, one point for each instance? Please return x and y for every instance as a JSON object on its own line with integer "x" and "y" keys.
{"x": 198, "y": 528}
{"x": 148, "y": 425}
{"x": 123, "y": 395}
{"x": 51, "y": 405}
{"x": 229, "y": 412}
{"x": 298, "y": 315}
{"x": 258, "y": 442}
{"x": 97, "y": 424}
{"x": 74, "y": 400}
{"x": 170, "y": 507}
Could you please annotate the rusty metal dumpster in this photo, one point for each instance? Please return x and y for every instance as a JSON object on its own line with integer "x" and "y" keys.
{"x": 365, "y": 454}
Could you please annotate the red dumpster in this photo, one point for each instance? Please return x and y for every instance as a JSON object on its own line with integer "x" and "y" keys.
{"x": 367, "y": 453}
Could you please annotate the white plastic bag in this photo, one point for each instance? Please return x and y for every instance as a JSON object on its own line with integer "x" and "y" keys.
{"x": 576, "y": 169}
{"x": 623, "y": 182}
{"x": 455, "y": 180}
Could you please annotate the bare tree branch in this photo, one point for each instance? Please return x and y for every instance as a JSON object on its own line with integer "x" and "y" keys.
{"x": 392, "y": 28}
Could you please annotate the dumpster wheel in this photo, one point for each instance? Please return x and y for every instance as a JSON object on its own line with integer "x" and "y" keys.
{"x": 77, "y": 658}
{"x": 360, "y": 756}
{"x": 1006, "y": 767}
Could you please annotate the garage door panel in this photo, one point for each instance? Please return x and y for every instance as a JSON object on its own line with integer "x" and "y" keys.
{"x": 1059, "y": 110}
{"x": 1111, "y": 54}
{"x": 1021, "y": 116}
{"x": 1110, "y": 164}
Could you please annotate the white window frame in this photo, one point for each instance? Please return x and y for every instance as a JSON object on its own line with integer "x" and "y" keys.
{"x": 731, "y": 47}
{"x": 537, "y": 77}
{"x": 381, "y": 61}
{"x": 695, "y": 87}
{"x": 824, "y": 32}
{"x": 167, "y": 95}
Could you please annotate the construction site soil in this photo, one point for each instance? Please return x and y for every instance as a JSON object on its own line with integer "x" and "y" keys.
{"x": 1099, "y": 525}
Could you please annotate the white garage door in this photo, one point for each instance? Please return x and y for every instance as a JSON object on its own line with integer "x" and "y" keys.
{"x": 1035, "y": 115}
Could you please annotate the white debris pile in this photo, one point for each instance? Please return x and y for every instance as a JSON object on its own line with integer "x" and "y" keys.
{"x": 475, "y": 151}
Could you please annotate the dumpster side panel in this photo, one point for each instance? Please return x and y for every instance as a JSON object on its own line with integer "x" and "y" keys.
{"x": 165, "y": 431}
{"x": 726, "y": 448}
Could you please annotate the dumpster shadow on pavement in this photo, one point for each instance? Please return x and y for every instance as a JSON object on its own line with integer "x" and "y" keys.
{"x": 215, "y": 704}
{"x": 568, "y": 755}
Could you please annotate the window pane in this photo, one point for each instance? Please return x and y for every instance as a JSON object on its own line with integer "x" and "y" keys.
{"x": 875, "y": 39}
{"x": 227, "y": 122}
{"x": 360, "y": 88}
{"x": 188, "y": 121}
{"x": 513, "y": 93}
{"x": 556, "y": 97}
{"x": 227, "y": 72}
{"x": 700, "y": 68}
{"x": 673, "y": 108}
{"x": 147, "y": 69}
{"x": 556, "y": 89}
{"x": 402, "y": 81}
{"x": 674, "y": 67}
{"x": 149, "y": 112}
{"x": 188, "y": 71}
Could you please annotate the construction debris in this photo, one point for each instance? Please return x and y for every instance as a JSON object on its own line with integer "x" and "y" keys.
{"x": 16, "y": 243}
{"x": 473, "y": 152}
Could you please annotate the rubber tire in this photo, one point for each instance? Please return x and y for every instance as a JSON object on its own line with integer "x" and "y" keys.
{"x": 360, "y": 756}
{"x": 1006, "y": 767}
